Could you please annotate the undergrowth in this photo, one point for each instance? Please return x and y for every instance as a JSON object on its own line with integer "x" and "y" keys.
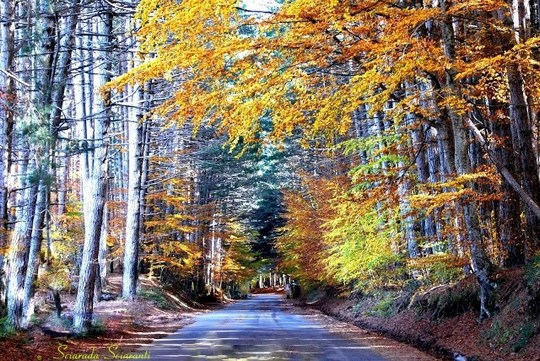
{"x": 532, "y": 272}
{"x": 383, "y": 308}
{"x": 510, "y": 338}
{"x": 6, "y": 331}
{"x": 447, "y": 300}
{"x": 156, "y": 296}
{"x": 383, "y": 304}
{"x": 437, "y": 291}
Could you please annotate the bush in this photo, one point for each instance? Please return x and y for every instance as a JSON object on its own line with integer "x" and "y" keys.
{"x": 381, "y": 304}
{"x": 384, "y": 308}
{"x": 156, "y": 296}
{"x": 6, "y": 331}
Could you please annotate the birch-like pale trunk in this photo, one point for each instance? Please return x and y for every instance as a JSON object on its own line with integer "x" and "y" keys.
{"x": 36, "y": 238}
{"x": 6, "y": 121}
{"x": 20, "y": 243}
{"x": 6, "y": 83}
{"x": 131, "y": 251}
{"x": 135, "y": 196}
{"x": 94, "y": 177}
{"x": 28, "y": 156}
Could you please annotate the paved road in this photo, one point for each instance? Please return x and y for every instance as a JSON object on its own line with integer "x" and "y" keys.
{"x": 258, "y": 329}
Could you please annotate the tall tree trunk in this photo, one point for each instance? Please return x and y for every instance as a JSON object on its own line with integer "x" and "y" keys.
{"x": 6, "y": 119}
{"x": 34, "y": 254}
{"x": 404, "y": 190}
{"x": 20, "y": 245}
{"x": 95, "y": 175}
{"x": 521, "y": 125}
{"x": 508, "y": 208}
{"x": 29, "y": 152}
{"x": 101, "y": 275}
{"x": 522, "y": 141}
{"x": 94, "y": 198}
{"x": 480, "y": 262}
{"x": 131, "y": 251}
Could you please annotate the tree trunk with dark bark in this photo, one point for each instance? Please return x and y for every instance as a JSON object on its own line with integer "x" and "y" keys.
{"x": 480, "y": 263}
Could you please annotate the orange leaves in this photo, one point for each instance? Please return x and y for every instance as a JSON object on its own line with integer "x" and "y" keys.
{"x": 186, "y": 250}
{"x": 448, "y": 259}
{"x": 312, "y": 11}
{"x": 467, "y": 7}
{"x": 182, "y": 256}
{"x": 301, "y": 245}
{"x": 309, "y": 64}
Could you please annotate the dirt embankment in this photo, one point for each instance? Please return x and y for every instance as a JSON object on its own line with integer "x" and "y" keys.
{"x": 444, "y": 319}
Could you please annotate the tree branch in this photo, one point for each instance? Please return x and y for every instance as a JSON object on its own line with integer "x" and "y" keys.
{"x": 508, "y": 177}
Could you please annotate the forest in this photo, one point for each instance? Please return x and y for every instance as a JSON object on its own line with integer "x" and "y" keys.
{"x": 384, "y": 153}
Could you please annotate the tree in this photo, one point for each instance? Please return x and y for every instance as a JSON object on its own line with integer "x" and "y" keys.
{"x": 6, "y": 114}
{"x": 135, "y": 198}
{"x": 94, "y": 160}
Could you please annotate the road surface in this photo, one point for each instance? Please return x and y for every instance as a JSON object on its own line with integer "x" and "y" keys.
{"x": 260, "y": 329}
